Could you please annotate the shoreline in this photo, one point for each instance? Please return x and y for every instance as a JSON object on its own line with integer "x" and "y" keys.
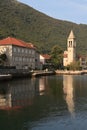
{"x": 5, "y": 77}
{"x": 71, "y": 72}
{"x": 33, "y": 74}
{"x": 30, "y": 74}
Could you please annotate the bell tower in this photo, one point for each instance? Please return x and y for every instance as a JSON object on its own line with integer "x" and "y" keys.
{"x": 71, "y": 47}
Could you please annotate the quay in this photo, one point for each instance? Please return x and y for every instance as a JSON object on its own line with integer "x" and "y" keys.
{"x": 5, "y": 77}
{"x": 13, "y": 74}
{"x": 71, "y": 72}
{"x": 42, "y": 73}
{"x": 8, "y": 75}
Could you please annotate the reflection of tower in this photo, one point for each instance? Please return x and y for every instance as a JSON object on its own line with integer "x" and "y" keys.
{"x": 68, "y": 91}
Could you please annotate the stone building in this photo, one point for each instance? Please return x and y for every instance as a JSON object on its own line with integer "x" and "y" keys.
{"x": 70, "y": 53}
{"x": 19, "y": 54}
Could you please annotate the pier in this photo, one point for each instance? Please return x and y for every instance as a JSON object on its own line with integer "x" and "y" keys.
{"x": 42, "y": 73}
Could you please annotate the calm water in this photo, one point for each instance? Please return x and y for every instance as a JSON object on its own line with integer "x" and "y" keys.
{"x": 46, "y": 103}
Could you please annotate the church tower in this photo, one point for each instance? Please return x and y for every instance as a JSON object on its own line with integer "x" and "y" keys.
{"x": 70, "y": 53}
{"x": 71, "y": 47}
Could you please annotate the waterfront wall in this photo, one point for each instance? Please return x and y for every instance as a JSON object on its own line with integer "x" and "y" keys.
{"x": 15, "y": 73}
{"x": 71, "y": 72}
{"x": 6, "y": 74}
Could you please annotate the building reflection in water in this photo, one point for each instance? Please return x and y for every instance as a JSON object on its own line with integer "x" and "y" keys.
{"x": 68, "y": 91}
{"x": 5, "y": 100}
{"x": 18, "y": 93}
{"x": 5, "y": 96}
{"x": 42, "y": 85}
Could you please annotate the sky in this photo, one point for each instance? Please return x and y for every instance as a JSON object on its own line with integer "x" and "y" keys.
{"x": 68, "y": 10}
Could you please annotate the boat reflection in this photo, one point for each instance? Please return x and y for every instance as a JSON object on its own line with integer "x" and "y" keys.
{"x": 68, "y": 91}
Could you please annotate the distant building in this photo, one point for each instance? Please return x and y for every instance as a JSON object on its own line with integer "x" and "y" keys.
{"x": 70, "y": 53}
{"x": 83, "y": 62}
{"x": 45, "y": 58}
{"x": 45, "y": 61}
{"x": 20, "y": 54}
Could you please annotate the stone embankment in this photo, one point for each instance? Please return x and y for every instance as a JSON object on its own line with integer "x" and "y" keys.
{"x": 71, "y": 72}
{"x": 10, "y": 74}
{"x": 5, "y": 76}
{"x": 42, "y": 73}
{"x": 13, "y": 73}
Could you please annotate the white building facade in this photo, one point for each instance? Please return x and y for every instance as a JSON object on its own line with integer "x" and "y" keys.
{"x": 19, "y": 54}
{"x": 70, "y": 53}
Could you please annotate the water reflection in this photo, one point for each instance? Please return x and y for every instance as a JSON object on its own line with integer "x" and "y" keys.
{"x": 44, "y": 107}
{"x": 68, "y": 91}
{"x": 5, "y": 100}
{"x": 42, "y": 86}
{"x": 5, "y": 95}
{"x": 22, "y": 92}
{"x": 18, "y": 93}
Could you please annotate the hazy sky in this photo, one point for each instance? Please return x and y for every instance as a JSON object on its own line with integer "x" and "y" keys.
{"x": 70, "y": 10}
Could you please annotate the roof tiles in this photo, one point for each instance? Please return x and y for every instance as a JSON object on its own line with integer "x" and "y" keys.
{"x": 16, "y": 42}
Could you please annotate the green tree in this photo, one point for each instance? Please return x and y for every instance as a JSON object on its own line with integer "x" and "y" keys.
{"x": 3, "y": 59}
{"x": 74, "y": 66}
{"x": 57, "y": 56}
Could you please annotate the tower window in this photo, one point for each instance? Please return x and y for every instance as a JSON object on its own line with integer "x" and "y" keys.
{"x": 70, "y": 43}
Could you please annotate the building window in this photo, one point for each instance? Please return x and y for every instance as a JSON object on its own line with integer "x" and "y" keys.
{"x": 22, "y": 50}
{"x": 71, "y": 43}
{"x": 16, "y": 58}
{"x": 32, "y": 51}
{"x": 30, "y": 59}
{"x": 20, "y": 59}
{"x": 24, "y": 59}
{"x": 26, "y": 51}
{"x": 14, "y": 49}
{"x": 29, "y": 51}
{"x": 18, "y": 49}
{"x": 27, "y": 59}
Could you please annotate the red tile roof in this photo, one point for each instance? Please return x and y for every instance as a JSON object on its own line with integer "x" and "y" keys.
{"x": 46, "y": 56}
{"x": 65, "y": 55}
{"x": 16, "y": 42}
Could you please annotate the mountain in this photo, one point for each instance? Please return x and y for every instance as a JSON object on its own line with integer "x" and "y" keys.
{"x": 23, "y": 22}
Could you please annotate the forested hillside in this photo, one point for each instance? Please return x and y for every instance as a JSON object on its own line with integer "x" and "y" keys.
{"x": 23, "y": 22}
